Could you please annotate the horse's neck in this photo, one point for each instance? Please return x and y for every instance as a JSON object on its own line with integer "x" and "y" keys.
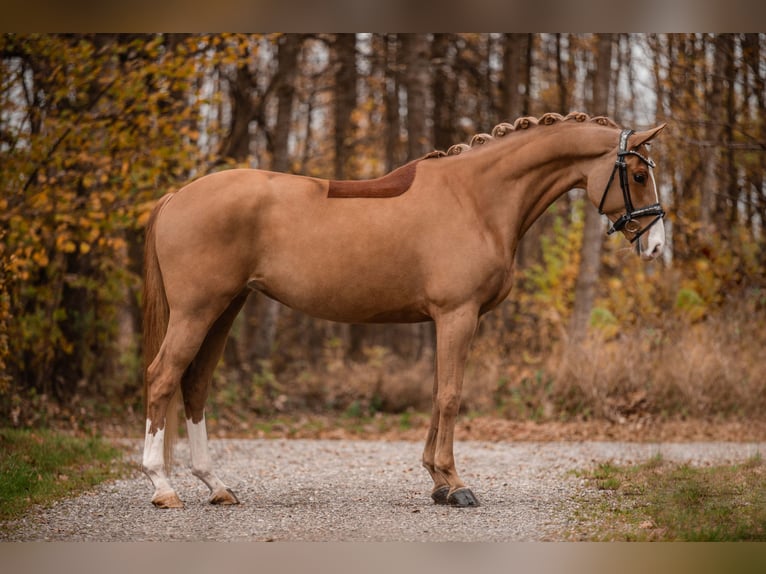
{"x": 519, "y": 178}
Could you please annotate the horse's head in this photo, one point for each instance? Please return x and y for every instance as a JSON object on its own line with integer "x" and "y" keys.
{"x": 628, "y": 196}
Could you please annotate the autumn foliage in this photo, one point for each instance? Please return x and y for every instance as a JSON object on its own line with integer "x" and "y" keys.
{"x": 95, "y": 128}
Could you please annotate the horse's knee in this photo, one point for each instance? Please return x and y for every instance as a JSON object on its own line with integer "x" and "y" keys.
{"x": 449, "y": 403}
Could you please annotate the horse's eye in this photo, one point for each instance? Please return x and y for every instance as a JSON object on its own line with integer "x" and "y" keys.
{"x": 639, "y": 177}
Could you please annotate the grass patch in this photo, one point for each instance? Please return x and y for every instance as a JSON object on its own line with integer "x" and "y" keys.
{"x": 658, "y": 500}
{"x": 39, "y": 466}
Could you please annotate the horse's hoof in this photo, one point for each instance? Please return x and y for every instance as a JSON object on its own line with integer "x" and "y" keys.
{"x": 462, "y": 497}
{"x": 439, "y": 495}
{"x": 167, "y": 500}
{"x": 224, "y": 498}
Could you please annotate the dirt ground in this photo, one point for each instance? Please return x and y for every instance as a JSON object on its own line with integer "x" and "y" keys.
{"x": 308, "y": 490}
{"x": 413, "y": 426}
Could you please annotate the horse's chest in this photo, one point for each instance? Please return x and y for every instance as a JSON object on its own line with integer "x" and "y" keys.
{"x": 498, "y": 291}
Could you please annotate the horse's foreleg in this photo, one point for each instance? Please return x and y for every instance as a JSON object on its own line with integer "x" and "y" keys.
{"x": 441, "y": 488}
{"x": 195, "y": 384}
{"x": 454, "y": 332}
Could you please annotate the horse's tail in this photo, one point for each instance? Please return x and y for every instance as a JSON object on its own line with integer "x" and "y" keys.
{"x": 156, "y": 315}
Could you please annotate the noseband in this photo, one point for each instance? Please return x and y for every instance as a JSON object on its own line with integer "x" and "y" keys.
{"x": 629, "y": 220}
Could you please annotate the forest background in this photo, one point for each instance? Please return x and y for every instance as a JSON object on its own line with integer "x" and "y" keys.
{"x": 95, "y": 128}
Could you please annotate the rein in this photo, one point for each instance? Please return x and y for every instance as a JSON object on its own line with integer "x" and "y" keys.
{"x": 628, "y": 221}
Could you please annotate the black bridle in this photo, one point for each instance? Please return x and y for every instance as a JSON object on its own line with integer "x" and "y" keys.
{"x": 629, "y": 220}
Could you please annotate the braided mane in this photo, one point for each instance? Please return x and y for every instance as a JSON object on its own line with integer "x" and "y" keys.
{"x": 523, "y": 123}
{"x": 398, "y": 181}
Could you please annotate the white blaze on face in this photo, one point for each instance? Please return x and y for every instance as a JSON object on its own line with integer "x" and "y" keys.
{"x": 654, "y": 239}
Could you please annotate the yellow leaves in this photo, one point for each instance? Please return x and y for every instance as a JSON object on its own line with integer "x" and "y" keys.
{"x": 702, "y": 266}
{"x": 88, "y": 181}
{"x": 18, "y": 270}
{"x": 65, "y": 245}
{"x": 192, "y": 134}
{"x": 144, "y": 211}
{"x": 551, "y": 282}
{"x": 604, "y": 322}
{"x": 40, "y": 258}
{"x": 108, "y": 196}
{"x": 114, "y": 123}
{"x": 690, "y": 305}
{"x": 39, "y": 200}
{"x": 116, "y": 244}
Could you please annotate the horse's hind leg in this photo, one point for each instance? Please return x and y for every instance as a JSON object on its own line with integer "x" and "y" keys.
{"x": 154, "y": 467}
{"x": 184, "y": 336}
{"x": 195, "y": 385}
{"x": 179, "y": 346}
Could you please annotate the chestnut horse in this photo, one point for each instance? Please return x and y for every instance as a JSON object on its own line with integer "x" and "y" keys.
{"x": 432, "y": 241}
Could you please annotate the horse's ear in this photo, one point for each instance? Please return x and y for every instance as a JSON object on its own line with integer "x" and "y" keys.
{"x": 640, "y": 138}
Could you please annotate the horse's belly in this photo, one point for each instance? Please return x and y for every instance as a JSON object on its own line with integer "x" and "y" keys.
{"x": 347, "y": 301}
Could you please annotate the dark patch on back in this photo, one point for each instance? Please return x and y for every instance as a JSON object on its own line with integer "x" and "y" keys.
{"x": 390, "y": 185}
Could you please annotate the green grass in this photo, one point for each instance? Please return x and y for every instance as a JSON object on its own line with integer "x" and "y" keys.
{"x": 658, "y": 500}
{"x": 40, "y": 466}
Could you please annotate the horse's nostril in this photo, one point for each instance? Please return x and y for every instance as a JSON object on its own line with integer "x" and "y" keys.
{"x": 656, "y": 250}
{"x": 652, "y": 251}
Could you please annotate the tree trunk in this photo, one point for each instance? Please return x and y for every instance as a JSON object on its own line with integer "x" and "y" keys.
{"x": 260, "y": 313}
{"x": 714, "y": 135}
{"x": 344, "y": 105}
{"x": 345, "y": 101}
{"x": 393, "y": 119}
{"x": 444, "y": 89}
{"x": 592, "y": 241}
{"x": 757, "y": 200}
{"x": 417, "y": 77}
{"x": 236, "y": 145}
{"x": 561, "y": 78}
{"x": 411, "y": 340}
{"x": 516, "y": 66}
{"x": 730, "y": 186}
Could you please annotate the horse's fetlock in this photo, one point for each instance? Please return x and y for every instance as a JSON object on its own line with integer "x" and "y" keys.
{"x": 445, "y": 467}
{"x": 151, "y": 469}
{"x": 202, "y": 473}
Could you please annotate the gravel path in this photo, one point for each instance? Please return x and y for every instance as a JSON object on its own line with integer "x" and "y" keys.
{"x": 328, "y": 490}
